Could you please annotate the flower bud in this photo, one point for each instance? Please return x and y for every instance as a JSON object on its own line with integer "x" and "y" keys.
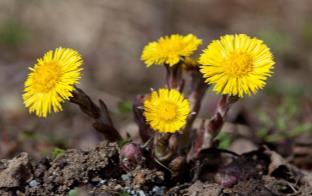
{"x": 131, "y": 156}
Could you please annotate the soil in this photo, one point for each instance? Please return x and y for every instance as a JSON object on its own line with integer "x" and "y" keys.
{"x": 99, "y": 172}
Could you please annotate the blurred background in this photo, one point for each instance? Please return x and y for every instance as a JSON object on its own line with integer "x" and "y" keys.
{"x": 110, "y": 35}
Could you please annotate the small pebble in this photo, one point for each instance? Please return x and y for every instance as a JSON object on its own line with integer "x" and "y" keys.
{"x": 102, "y": 181}
{"x": 125, "y": 177}
{"x": 141, "y": 193}
{"x": 117, "y": 187}
{"x": 33, "y": 183}
{"x": 126, "y": 188}
{"x": 158, "y": 191}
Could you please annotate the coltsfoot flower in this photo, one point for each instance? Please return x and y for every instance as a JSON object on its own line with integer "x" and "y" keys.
{"x": 166, "y": 110}
{"x": 236, "y": 64}
{"x": 170, "y": 49}
{"x": 51, "y": 81}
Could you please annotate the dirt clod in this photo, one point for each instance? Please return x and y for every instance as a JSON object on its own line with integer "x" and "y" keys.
{"x": 146, "y": 177}
{"x": 15, "y": 172}
{"x": 75, "y": 168}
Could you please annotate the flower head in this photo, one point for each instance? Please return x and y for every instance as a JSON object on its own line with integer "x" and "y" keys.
{"x": 51, "y": 81}
{"x": 170, "y": 49}
{"x": 236, "y": 64}
{"x": 166, "y": 110}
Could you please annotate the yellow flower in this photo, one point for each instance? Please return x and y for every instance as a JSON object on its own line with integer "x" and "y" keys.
{"x": 170, "y": 49}
{"x": 166, "y": 110}
{"x": 236, "y": 64}
{"x": 51, "y": 81}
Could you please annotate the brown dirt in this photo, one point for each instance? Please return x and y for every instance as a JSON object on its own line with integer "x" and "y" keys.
{"x": 98, "y": 172}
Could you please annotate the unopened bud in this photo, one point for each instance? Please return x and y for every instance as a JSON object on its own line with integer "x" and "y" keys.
{"x": 131, "y": 156}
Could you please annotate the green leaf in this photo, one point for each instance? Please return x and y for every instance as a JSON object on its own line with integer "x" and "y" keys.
{"x": 279, "y": 42}
{"x": 125, "y": 106}
{"x": 73, "y": 192}
{"x": 225, "y": 140}
{"x": 302, "y": 128}
{"x": 57, "y": 152}
{"x": 121, "y": 143}
{"x": 262, "y": 132}
{"x": 123, "y": 193}
{"x": 281, "y": 123}
{"x": 307, "y": 32}
{"x": 12, "y": 33}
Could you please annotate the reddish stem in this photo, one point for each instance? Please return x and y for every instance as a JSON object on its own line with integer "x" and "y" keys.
{"x": 102, "y": 120}
{"x": 209, "y": 129}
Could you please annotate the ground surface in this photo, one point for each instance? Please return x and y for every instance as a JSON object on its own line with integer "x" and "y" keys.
{"x": 98, "y": 172}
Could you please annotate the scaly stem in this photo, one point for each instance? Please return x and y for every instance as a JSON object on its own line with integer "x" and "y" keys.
{"x": 209, "y": 129}
{"x": 144, "y": 129}
{"x": 174, "y": 76}
{"x": 102, "y": 120}
{"x": 165, "y": 146}
{"x": 197, "y": 92}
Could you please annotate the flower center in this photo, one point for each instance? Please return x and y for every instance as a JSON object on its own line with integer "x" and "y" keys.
{"x": 171, "y": 47}
{"x": 167, "y": 111}
{"x": 238, "y": 64}
{"x": 46, "y": 76}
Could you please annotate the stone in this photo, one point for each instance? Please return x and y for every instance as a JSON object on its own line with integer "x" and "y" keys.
{"x": 17, "y": 172}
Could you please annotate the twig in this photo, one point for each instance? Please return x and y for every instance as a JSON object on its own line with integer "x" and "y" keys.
{"x": 147, "y": 143}
{"x": 159, "y": 163}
